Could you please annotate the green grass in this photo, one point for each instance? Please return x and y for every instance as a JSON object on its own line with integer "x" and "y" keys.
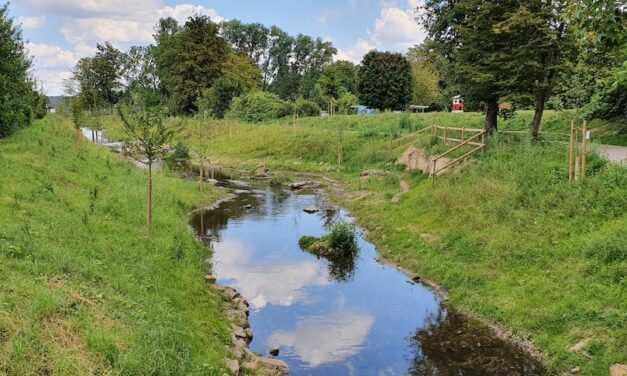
{"x": 82, "y": 288}
{"x": 508, "y": 236}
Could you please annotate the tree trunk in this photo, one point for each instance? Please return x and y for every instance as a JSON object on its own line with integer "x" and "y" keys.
{"x": 537, "y": 116}
{"x": 78, "y": 136}
{"x": 149, "y": 200}
{"x": 202, "y": 172}
{"x": 491, "y": 115}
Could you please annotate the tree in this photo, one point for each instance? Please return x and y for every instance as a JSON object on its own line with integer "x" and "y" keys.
{"x": 338, "y": 79}
{"x": 18, "y": 97}
{"x": 140, "y": 69}
{"x": 463, "y": 31}
{"x": 189, "y": 59}
{"x": 145, "y": 126}
{"x": 239, "y": 76}
{"x": 78, "y": 116}
{"x": 426, "y": 90}
{"x": 385, "y": 80}
{"x": 538, "y": 43}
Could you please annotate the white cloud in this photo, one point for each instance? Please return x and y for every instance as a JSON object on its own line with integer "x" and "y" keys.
{"x": 88, "y": 22}
{"x": 51, "y": 57}
{"x": 130, "y": 28}
{"x": 356, "y": 52}
{"x": 324, "y": 339}
{"x": 395, "y": 29}
{"x": 31, "y": 22}
{"x": 233, "y": 260}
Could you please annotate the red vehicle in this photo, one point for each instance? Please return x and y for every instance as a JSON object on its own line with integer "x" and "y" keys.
{"x": 458, "y": 104}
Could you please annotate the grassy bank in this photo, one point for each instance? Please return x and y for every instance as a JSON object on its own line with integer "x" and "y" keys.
{"x": 511, "y": 240}
{"x": 83, "y": 291}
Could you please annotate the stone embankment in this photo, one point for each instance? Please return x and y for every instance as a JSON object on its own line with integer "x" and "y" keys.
{"x": 243, "y": 360}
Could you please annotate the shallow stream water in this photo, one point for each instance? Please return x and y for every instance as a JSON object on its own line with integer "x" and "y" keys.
{"x": 349, "y": 317}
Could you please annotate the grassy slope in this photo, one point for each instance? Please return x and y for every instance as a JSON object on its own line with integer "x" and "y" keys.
{"x": 509, "y": 237}
{"x": 84, "y": 292}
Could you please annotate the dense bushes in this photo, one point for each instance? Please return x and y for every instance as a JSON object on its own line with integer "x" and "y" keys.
{"x": 19, "y": 101}
{"x": 259, "y": 106}
{"x": 303, "y": 107}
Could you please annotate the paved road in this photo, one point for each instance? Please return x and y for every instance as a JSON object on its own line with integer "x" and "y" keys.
{"x": 614, "y": 153}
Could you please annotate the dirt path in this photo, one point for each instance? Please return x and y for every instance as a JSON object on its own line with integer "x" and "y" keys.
{"x": 614, "y": 153}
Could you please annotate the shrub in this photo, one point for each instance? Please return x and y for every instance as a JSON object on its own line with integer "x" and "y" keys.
{"x": 259, "y": 106}
{"x": 303, "y": 107}
{"x": 345, "y": 102}
{"x": 342, "y": 237}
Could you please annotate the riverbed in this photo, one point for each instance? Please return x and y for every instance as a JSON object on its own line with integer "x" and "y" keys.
{"x": 354, "y": 316}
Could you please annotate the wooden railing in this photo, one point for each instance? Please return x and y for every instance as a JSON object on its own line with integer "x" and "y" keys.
{"x": 478, "y": 141}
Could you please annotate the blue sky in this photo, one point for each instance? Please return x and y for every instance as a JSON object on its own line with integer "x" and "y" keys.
{"x": 59, "y": 32}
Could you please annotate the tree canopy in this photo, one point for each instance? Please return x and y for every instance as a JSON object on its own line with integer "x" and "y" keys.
{"x": 385, "y": 81}
{"x": 20, "y": 102}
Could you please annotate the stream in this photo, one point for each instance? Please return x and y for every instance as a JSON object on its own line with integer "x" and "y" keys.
{"x": 354, "y": 316}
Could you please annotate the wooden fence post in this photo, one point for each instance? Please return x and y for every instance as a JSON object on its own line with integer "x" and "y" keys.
{"x": 433, "y": 162}
{"x": 584, "y": 152}
{"x": 571, "y": 156}
{"x": 463, "y": 128}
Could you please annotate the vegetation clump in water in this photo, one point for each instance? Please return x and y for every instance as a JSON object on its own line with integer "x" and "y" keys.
{"x": 339, "y": 247}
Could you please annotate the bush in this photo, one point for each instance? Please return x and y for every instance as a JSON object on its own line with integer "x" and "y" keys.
{"x": 345, "y": 102}
{"x": 342, "y": 237}
{"x": 259, "y": 106}
{"x": 180, "y": 151}
{"x": 303, "y": 107}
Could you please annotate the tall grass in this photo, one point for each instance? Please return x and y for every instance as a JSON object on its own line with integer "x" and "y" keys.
{"x": 82, "y": 288}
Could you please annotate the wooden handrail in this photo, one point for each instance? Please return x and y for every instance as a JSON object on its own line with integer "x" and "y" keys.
{"x": 412, "y": 134}
{"x": 459, "y": 145}
{"x": 461, "y": 129}
{"x": 458, "y": 140}
{"x": 459, "y": 158}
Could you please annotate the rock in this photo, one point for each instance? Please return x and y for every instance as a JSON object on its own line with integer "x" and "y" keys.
{"x": 252, "y": 365}
{"x": 210, "y": 278}
{"x": 274, "y": 352}
{"x": 311, "y": 210}
{"x": 262, "y": 170}
{"x": 249, "y": 333}
{"x": 231, "y": 293}
{"x": 243, "y": 307}
{"x": 416, "y": 278}
{"x": 579, "y": 346}
{"x": 397, "y": 198}
{"x": 575, "y": 370}
{"x": 303, "y": 185}
{"x": 232, "y": 365}
{"x": 238, "y": 317}
{"x": 248, "y": 206}
{"x": 239, "y": 332}
{"x": 367, "y": 173}
{"x": 273, "y": 366}
{"x": 618, "y": 370}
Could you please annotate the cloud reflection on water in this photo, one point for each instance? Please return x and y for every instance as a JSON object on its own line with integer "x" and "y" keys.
{"x": 325, "y": 339}
{"x": 271, "y": 281}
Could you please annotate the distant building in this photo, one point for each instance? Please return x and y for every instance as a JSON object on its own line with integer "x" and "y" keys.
{"x": 362, "y": 110}
{"x": 416, "y": 108}
{"x": 458, "y": 104}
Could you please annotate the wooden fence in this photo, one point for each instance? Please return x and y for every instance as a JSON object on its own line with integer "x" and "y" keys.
{"x": 476, "y": 139}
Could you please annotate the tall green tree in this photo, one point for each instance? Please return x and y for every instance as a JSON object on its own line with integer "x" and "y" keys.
{"x": 463, "y": 31}
{"x": 189, "y": 59}
{"x": 98, "y": 79}
{"x": 337, "y": 79}
{"x": 426, "y": 90}
{"x": 385, "y": 81}
{"x": 18, "y": 96}
{"x": 239, "y": 76}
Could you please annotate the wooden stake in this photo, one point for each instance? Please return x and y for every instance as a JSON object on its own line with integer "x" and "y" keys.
{"x": 463, "y": 129}
{"x": 584, "y": 152}
{"x": 571, "y": 157}
{"x": 433, "y": 162}
{"x": 577, "y": 168}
